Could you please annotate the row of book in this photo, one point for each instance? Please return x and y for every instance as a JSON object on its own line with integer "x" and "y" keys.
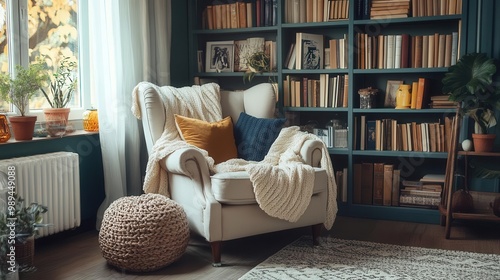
{"x": 389, "y": 135}
{"x": 381, "y": 184}
{"x": 241, "y": 14}
{"x": 442, "y": 102}
{"x": 329, "y": 91}
{"x": 427, "y": 8}
{"x": 309, "y": 52}
{"x": 383, "y": 9}
{"x": 405, "y": 51}
{"x": 376, "y": 184}
{"x": 302, "y": 11}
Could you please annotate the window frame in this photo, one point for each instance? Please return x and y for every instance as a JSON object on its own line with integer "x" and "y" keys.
{"x": 17, "y": 40}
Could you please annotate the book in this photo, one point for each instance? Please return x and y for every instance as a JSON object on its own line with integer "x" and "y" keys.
{"x": 378, "y": 183}
{"x": 311, "y": 53}
{"x": 387, "y": 190}
{"x": 371, "y": 137}
{"x": 421, "y": 93}
{"x": 414, "y": 93}
{"x": 367, "y": 183}
{"x": 395, "y": 187}
{"x": 405, "y": 48}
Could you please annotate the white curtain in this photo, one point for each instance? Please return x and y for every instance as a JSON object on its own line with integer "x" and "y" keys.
{"x": 128, "y": 42}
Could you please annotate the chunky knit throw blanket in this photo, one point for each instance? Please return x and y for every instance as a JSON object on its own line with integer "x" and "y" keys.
{"x": 283, "y": 184}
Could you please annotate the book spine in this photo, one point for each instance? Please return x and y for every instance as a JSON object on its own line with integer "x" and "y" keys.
{"x": 387, "y": 195}
{"x": 397, "y": 52}
{"x": 356, "y": 196}
{"x": 378, "y": 183}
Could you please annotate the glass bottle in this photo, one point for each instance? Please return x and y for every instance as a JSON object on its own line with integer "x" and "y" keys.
{"x": 4, "y": 129}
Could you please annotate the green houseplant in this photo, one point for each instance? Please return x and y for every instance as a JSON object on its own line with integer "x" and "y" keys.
{"x": 26, "y": 221}
{"x": 59, "y": 93}
{"x": 470, "y": 82}
{"x": 18, "y": 91}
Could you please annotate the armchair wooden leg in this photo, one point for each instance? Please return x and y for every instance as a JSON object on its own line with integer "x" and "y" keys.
{"x": 216, "y": 253}
{"x": 316, "y": 233}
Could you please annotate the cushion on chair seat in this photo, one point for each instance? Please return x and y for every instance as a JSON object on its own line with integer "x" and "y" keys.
{"x": 235, "y": 188}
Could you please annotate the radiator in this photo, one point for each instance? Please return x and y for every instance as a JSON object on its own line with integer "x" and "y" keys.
{"x": 52, "y": 180}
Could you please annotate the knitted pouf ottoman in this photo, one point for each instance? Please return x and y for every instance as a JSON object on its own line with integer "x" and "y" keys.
{"x": 143, "y": 233}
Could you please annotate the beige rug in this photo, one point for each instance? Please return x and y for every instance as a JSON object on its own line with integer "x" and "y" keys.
{"x": 349, "y": 259}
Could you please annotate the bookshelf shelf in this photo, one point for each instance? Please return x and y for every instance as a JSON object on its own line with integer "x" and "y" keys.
{"x": 265, "y": 29}
{"x": 400, "y": 70}
{"x": 436, "y": 155}
{"x": 402, "y": 111}
{"x": 284, "y": 34}
{"x": 410, "y": 20}
{"x": 314, "y": 109}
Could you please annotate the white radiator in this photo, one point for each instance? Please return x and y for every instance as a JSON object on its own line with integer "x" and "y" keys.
{"x": 52, "y": 180}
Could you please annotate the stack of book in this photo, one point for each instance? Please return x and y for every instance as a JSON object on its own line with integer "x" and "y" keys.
{"x": 425, "y": 193}
{"x": 376, "y": 183}
{"x": 441, "y": 101}
{"x": 301, "y": 11}
{"x": 381, "y": 9}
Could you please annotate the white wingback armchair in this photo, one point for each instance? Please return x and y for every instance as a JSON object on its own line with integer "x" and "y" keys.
{"x": 222, "y": 206}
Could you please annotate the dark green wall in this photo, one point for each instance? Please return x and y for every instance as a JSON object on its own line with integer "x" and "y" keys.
{"x": 91, "y": 172}
{"x": 179, "y": 63}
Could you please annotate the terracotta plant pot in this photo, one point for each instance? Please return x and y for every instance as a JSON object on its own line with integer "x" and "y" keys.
{"x": 56, "y": 120}
{"x": 483, "y": 142}
{"x": 23, "y": 127}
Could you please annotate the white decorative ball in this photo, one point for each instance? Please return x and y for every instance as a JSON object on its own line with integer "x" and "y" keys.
{"x": 467, "y": 145}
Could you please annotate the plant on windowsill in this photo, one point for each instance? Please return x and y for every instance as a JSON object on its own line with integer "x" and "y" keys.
{"x": 22, "y": 222}
{"x": 62, "y": 85}
{"x": 18, "y": 91}
{"x": 470, "y": 82}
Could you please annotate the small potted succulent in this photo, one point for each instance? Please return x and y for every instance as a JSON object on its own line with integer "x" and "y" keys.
{"x": 470, "y": 82}
{"x": 18, "y": 91}
{"x": 62, "y": 85}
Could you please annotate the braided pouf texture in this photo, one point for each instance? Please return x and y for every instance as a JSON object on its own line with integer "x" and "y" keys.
{"x": 143, "y": 233}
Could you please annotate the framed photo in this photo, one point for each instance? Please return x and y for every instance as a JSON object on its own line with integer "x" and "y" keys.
{"x": 220, "y": 56}
{"x": 391, "y": 92}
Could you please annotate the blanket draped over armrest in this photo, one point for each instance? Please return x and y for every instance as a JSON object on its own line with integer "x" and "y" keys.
{"x": 283, "y": 183}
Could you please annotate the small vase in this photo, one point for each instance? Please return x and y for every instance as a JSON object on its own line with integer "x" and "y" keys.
{"x": 403, "y": 97}
{"x": 4, "y": 129}
{"x": 90, "y": 120}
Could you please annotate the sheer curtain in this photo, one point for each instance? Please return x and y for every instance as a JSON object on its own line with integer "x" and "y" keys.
{"x": 127, "y": 41}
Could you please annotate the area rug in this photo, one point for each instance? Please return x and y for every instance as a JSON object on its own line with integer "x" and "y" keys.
{"x": 349, "y": 259}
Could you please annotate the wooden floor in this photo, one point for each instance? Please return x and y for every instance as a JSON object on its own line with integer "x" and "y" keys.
{"x": 79, "y": 257}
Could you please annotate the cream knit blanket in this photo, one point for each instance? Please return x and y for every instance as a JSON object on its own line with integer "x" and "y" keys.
{"x": 282, "y": 183}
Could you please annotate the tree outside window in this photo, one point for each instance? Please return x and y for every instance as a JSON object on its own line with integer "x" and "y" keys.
{"x": 53, "y": 35}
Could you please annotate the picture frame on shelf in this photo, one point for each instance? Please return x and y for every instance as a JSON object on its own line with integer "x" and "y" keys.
{"x": 391, "y": 92}
{"x": 219, "y": 56}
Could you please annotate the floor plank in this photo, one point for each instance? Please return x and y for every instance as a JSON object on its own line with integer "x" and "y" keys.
{"x": 79, "y": 256}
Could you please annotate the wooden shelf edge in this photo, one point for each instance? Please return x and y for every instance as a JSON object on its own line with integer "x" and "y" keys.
{"x": 476, "y": 216}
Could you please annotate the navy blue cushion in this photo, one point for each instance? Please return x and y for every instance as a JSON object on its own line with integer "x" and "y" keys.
{"x": 254, "y": 136}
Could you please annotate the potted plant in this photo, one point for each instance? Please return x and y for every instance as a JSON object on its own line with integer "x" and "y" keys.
{"x": 26, "y": 220}
{"x": 470, "y": 82}
{"x": 18, "y": 91}
{"x": 62, "y": 85}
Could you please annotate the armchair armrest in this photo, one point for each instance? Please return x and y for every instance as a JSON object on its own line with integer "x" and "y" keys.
{"x": 311, "y": 152}
{"x": 188, "y": 162}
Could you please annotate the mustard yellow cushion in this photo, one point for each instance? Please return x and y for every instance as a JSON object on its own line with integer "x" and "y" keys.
{"x": 216, "y": 138}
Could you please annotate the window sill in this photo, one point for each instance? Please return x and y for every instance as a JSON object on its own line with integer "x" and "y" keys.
{"x": 48, "y": 138}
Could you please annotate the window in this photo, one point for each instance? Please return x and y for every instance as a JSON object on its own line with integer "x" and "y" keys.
{"x": 50, "y": 32}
